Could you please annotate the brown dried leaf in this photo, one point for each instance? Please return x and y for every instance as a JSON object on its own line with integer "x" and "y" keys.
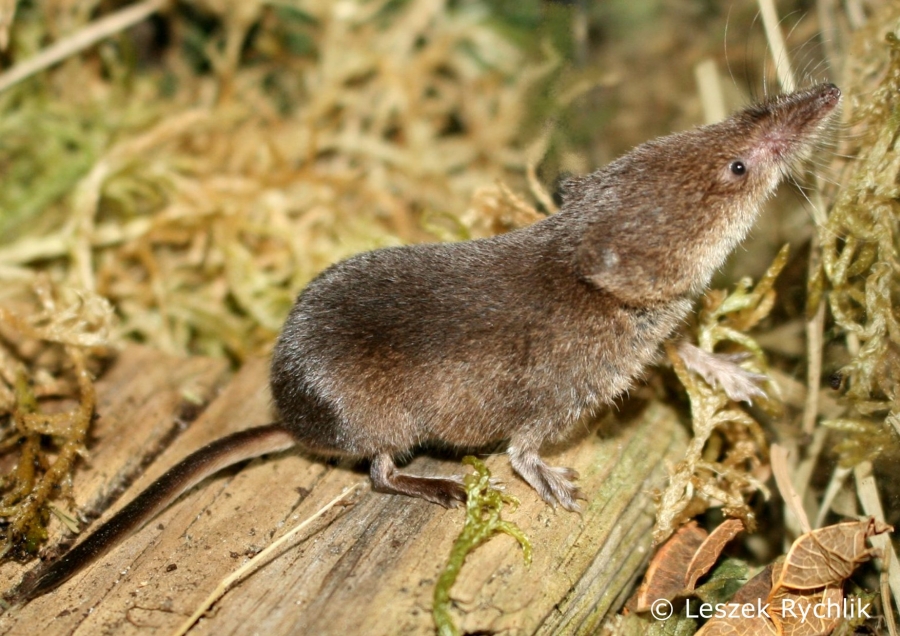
{"x": 810, "y": 613}
{"x": 828, "y": 555}
{"x": 666, "y": 575}
{"x": 802, "y": 594}
{"x": 708, "y": 553}
{"x": 759, "y": 586}
{"x": 785, "y": 613}
{"x": 757, "y": 625}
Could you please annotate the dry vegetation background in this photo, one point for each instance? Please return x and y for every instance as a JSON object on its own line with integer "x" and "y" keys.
{"x": 177, "y": 182}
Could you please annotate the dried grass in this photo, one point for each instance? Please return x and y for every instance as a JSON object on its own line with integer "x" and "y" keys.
{"x": 182, "y": 198}
{"x": 188, "y": 196}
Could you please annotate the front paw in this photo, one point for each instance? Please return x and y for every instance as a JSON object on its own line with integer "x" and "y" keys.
{"x": 558, "y": 481}
{"x": 553, "y": 484}
{"x": 723, "y": 370}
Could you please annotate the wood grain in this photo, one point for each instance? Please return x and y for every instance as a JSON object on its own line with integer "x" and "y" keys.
{"x": 365, "y": 568}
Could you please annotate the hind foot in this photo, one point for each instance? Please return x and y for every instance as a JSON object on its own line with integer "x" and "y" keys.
{"x": 553, "y": 484}
{"x": 446, "y": 491}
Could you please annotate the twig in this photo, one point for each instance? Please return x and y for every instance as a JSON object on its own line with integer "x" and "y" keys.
{"x": 7, "y": 17}
{"x": 802, "y": 474}
{"x": 814, "y": 346}
{"x": 707, "y": 76}
{"x": 776, "y": 43}
{"x": 825, "y": 12}
{"x": 856, "y": 14}
{"x": 537, "y": 189}
{"x": 815, "y": 325}
{"x": 89, "y": 35}
{"x": 886, "y": 599}
{"x": 838, "y": 477}
{"x": 867, "y": 492}
{"x": 254, "y": 563}
{"x": 792, "y": 501}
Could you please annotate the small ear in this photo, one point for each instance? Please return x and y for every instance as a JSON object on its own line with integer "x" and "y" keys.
{"x": 562, "y": 186}
{"x": 569, "y": 188}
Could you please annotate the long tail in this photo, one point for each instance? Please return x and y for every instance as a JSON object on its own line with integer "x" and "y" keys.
{"x": 184, "y": 475}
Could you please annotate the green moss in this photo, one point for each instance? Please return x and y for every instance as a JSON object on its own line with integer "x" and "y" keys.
{"x": 484, "y": 504}
{"x": 859, "y": 276}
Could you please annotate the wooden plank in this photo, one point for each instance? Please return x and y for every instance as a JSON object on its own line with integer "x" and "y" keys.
{"x": 367, "y": 568}
{"x": 143, "y": 403}
{"x": 144, "y": 400}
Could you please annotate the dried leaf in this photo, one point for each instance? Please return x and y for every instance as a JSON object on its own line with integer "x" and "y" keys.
{"x": 760, "y": 585}
{"x": 723, "y": 582}
{"x": 802, "y": 594}
{"x": 741, "y": 626}
{"x": 808, "y": 613}
{"x": 828, "y": 555}
{"x": 668, "y": 569}
{"x": 708, "y": 553}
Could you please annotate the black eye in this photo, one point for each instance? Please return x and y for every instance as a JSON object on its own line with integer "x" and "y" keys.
{"x": 738, "y": 168}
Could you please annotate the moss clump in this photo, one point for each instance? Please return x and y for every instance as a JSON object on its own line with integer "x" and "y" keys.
{"x": 484, "y": 505}
{"x": 860, "y": 276}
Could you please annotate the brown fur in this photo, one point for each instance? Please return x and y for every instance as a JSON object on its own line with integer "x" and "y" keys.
{"x": 512, "y": 338}
{"x": 517, "y": 337}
